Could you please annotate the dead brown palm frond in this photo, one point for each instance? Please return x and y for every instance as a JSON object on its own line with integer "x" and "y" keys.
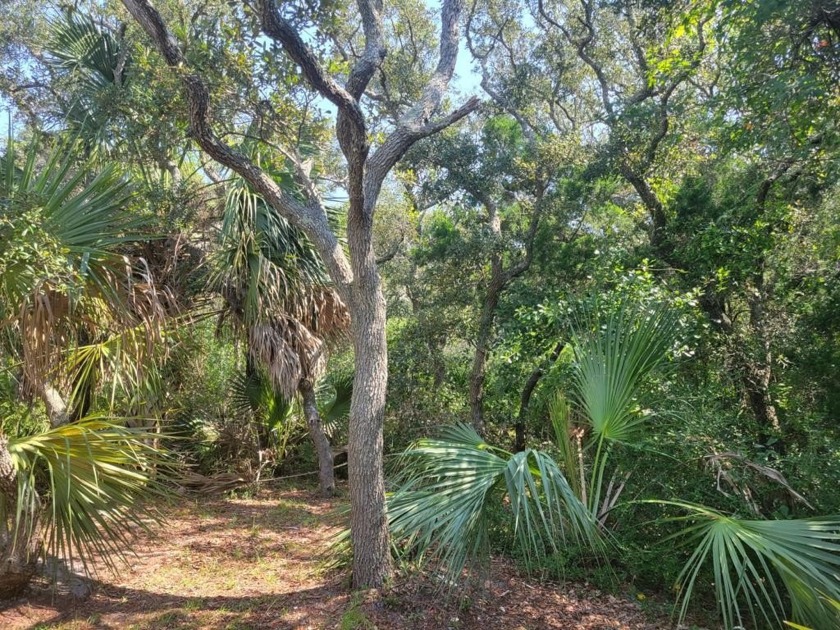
{"x": 44, "y": 330}
{"x": 215, "y": 484}
{"x": 65, "y": 281}
{"x": 289, "y": 351}
{"x": 116, "y": 331}
{"x": 175, "y": 262}
{"x": 122, "y": 360}
{"x": 328, "y": 316}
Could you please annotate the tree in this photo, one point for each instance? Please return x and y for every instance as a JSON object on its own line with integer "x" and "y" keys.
{"x": 67, "y": 293}
{"x": 507, "y": 195}
{"x": 65, "y": 283}
{"x": 275, "y": 288}
{"x": 356, "y": 279}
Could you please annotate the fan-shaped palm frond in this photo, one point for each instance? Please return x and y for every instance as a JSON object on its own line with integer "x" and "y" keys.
{"x": 265, "y": 265}
{"x": 123, "y": 358}
{"x": 88, "y": 484}
{"x": 253, "y": 393}
{"x": 756, "y": 563}
{"x": 612, "y": 359}
{"x": 81, "y": 47}
{"x": 447, "y": 485}
{"x": 275, "y": 286}
{"x": 96, "y": 61}
{"x": 334, "y": 395}
{"x": 61, "y": 271}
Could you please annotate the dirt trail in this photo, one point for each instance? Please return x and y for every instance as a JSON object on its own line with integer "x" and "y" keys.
{"x": 257, "y": 563}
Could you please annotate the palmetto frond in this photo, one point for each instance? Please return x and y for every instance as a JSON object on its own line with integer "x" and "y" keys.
{"x": 448, "y": 484}
{"x": 64, "y": 223}
{"x": 612, "y": 359}
{"x": 266, "y": 265}
{"x": 96, "y": 60}
{"x": 334, "y": 395}
{"x": 122, "y": 359}
{"x": 81, "y": 47}
{"x": 755, "y": 562}
{"x": 253, "y": 393}
{"x": 95, "y": 478}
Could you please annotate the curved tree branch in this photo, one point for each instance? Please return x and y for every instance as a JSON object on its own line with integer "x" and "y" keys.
{"x": 311, "y": 218}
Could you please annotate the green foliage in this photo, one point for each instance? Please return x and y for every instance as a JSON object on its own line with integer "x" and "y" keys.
{"x": 97, "y": 63}
{"x": 63, "y": 220}
{"x": 96, "y": 481}
{"x": 263, "y": 263}
{"x": 732, "y": 129}
{"x": 611, "y": 360}
{"x": 334, "y": 394}
{"x": 200, "y": 405}
{"x": 752, "y": 560}
{"x": 441, "y": 508}
{"x": 254, "y": 399}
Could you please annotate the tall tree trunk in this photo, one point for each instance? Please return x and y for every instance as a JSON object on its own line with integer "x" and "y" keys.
{"x": 753, "y": 374}
{"x": 656, "y": 211}
{"x": 500, "y": 278}
{"x": 368, "y": 519}
{"x": 326, "y": 474}
{"x": 18, "y": 545}
{"x": 760, "y": 369}
{"x": 482, "y": 351}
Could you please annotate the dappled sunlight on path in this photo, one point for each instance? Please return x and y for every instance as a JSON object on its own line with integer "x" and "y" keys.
{"x": 258, "y": 563}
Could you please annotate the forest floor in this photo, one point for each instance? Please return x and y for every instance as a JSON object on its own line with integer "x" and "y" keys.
{"x": 259, "y": 563}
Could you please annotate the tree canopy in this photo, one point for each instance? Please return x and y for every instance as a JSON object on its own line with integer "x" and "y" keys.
{"x": 609, "y": 250}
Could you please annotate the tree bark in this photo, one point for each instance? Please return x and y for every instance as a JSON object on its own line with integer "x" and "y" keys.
{"x": 326, "y": 474}
{"x": 482, "y": 351}
{"x": 753, "y": 374}
{"x": 500, "y": 278}
{"x": 57, "y": 410}
{"x": 760, "y": 370}
{"x": 368, "y": 518}
{"x": 525, "y": 399}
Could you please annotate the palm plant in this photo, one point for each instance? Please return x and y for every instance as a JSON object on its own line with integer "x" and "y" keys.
{"x": 276, "y": 291}
{"x": 72, "y": 305}
{"x": 96, "y": 61}
{"x": 334, "y": 394}
{"x": 749, "y": 557}
{"x": 74, "y": 492}
{"x": 64, "y": 282}
{"x": 448, "y": 486}
{"x": 612, "y": 357}
{"x": 254, "y": 396}
{"x": 756, "y": 563}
